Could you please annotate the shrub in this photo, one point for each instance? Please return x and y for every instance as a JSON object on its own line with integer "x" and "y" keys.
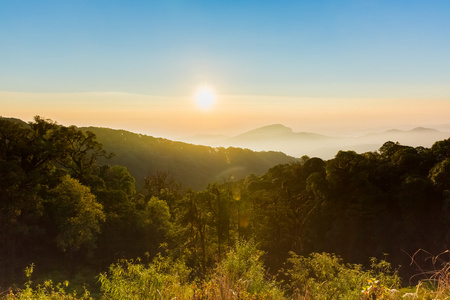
{"x": 241, "y": 275}
{"x": 163, "y": 278}
{"x": 326, "y": 276}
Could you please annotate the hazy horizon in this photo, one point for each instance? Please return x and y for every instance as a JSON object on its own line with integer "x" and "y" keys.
{"x": 137, "y": 113}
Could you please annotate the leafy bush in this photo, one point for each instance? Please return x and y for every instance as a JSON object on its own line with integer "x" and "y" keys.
{"x": 241, "y": 275}
{"x": 163, "y": 278}
{"x": 326, "y": 276}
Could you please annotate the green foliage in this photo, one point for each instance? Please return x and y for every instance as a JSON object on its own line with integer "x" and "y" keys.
{"x": 240, "y": 275}
{"x": 243, "y": 272}
{"x": 81, "y": 152}
{"x": 46, "y": 291}
{"x": 197, "y": 229}
{"x": 115, "y": 178}
{"x": 440, "y": 175}
{"x": 77, "y": 215}
{"x": 156, "y": 225}
{"x": 163, "y": 278}
{"x": 326, "y": 276}
{"x": 56, "y": 202}
{"x": 441, "y": 149}
{"x": 33, "y": 160}
{"x": 375, "y": 290}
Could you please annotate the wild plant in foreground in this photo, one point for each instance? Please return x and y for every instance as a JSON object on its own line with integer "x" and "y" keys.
{"x": 163, "y": 278}
{"x": 45, "y": 291}
{"x": 438, "y": 284}
{"x": 241, "y": 275}
{"x": 326, "y": 276}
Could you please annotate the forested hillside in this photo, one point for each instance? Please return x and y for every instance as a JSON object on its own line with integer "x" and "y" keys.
{"x": 72, "y": 216}
{"x": 191, "y": 165}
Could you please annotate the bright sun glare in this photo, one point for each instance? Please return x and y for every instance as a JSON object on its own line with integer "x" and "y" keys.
{"x": 205, "y": 97}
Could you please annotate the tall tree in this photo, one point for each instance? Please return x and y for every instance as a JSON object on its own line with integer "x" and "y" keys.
{"x": 77, "y": 215}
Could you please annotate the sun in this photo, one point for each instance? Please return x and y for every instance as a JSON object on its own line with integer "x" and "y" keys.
{"x": 205, "y": 97}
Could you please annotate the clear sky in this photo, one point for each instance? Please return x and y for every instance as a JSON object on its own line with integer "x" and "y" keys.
{"x": 317, "y": 65}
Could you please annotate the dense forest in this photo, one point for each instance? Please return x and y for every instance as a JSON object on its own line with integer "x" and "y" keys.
{"x": 70, "y": 213}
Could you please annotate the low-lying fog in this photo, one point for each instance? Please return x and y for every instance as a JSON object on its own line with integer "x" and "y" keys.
{"x": 281, "y": 138}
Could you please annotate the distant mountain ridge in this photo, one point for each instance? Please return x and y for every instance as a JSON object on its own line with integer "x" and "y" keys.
{"x": 274, "y": 132}
{"x": 399, "y": 131}
{"x": 270, "y": 129}
{"x": 192, "y": 165}
{"x": 278, "y": 137}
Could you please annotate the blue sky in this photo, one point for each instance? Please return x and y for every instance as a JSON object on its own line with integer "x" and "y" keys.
{"x": 361, "y": 49}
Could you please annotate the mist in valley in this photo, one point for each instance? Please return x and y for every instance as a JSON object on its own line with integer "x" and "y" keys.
{"x": 278, "y": 137}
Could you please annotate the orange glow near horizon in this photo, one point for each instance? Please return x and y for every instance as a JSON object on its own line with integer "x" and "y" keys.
{"x": 174, "y": 117}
